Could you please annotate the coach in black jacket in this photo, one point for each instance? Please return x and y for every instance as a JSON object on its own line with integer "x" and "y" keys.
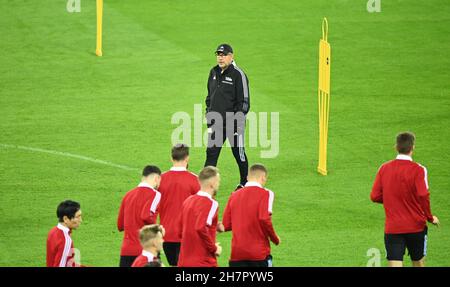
{"x": 228, "y": 98}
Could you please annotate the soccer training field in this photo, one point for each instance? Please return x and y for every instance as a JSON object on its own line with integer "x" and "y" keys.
{"x": 76, "y": 126}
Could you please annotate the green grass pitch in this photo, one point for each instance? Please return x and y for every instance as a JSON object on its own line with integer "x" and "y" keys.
{"x": 390, "y": 73}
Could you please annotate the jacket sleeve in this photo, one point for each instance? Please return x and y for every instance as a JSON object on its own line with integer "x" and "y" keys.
{"x": 61, "y": 252}
{"x": 242, "y": 93}
{"x": 265, "y": 217}
{"x": 421, "y": 183}
{"x": 204, "y": 220}
{"x": 208, "y": 97}
{"x": 226, "y": 220}
{"x": 195, "y": 187}
{"x": 120, "y": 218}
{"x": 180, "y": 223}
{"x": 54, "y": 253}
{"x": 377, "y": 189}
{"x": 150, "y": 211}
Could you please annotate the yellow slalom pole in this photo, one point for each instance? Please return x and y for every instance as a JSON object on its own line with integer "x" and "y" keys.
{"x": 98, "y": 50}
{"x": 324, "y": 96}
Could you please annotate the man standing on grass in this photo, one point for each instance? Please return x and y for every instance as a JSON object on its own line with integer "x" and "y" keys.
{"x": 176, "y": 186}
{"x": 139, "y": 207}
{"x": 249, "y": 215}
{"x": 198, "y": 223}
{"x": 60, "y": 251}
{"x": 401, "y": 185}
{"x": 227, "y": 104}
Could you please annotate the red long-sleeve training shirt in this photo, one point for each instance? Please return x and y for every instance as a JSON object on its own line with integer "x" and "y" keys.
{"x": 198, "y": 231}
{"x": 60, "y": 251}
{"x": 176, "y": 186}
{"x": 139, "y": 207}
{"x": 248, "y": 214}
{"x": 143, "y": 259}
{"x": 401, "y": 185}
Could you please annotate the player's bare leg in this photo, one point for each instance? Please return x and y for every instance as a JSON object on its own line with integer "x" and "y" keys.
{"x": 420, "y": 263}
{"x": 395, "y": 263}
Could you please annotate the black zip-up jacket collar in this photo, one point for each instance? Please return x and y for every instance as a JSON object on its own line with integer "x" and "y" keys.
{"x": 227, "y": 70}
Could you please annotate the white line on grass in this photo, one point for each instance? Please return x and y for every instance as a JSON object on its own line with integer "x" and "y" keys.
{"x": 66, "y": 154}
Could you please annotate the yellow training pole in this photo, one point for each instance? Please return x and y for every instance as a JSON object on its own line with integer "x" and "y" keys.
{"x": 98, "y": 50}
{"x": 324, "y": 96}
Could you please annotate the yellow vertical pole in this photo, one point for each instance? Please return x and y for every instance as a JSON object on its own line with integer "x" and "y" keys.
{"x": 324, "y": 96}
{"x": 98, "y": 50}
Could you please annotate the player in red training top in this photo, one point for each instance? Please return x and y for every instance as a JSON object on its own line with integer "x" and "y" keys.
{"x": 139, "y": 207}
{"x": 199, "y": 223}
{"x": 151, "y": 238}
{"x": 60, "y": 251}
{"x": 249, "y": 215}
{"x": 401, "y": 185}
{"x": 176, "y": 186}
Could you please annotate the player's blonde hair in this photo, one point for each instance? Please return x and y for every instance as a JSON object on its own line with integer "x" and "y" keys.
{"x": 207, "y": 173}
{"x": 149, "y": 232}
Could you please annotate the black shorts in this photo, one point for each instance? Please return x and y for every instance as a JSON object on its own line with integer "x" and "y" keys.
{"x": 127, "y": 261}
{"x": 396, "y": 245}
{"x": 250, "y": 263}
{"x": 172, "y": 251}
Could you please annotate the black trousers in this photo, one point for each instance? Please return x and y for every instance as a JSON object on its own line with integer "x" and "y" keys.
{"x": 172, "y": 252}
{"x": 235, "y": 137}
{"x": 126, "y": 261}
{"x": 249, "y": 263}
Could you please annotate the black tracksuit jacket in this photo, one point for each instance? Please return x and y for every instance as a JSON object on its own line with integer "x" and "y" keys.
{"x": 227, "y": 91}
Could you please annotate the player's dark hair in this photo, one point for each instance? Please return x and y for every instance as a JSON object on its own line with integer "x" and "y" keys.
{"x": 149, "y": 169}
{"x": 207, "y": 173}
{"x": 155, "y": 263}
{"x": 67, "y": 208}
{"x": 405, "y": 142}
{"x": 258, "y": 167}
{"x": 180, "y": 152}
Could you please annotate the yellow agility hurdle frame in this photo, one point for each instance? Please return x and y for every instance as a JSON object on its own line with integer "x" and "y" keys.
{"x": 98, "y": 50}
{"x": 324, "y": 96}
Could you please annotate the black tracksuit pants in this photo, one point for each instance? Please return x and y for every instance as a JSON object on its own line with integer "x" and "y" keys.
{"x": 236, "y": 140}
